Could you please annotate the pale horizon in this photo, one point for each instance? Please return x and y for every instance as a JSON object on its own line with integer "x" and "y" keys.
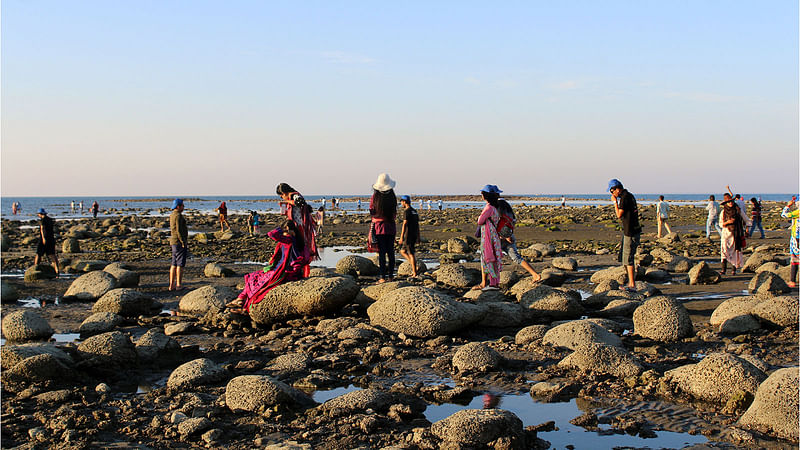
{"x": 124, "y": 99}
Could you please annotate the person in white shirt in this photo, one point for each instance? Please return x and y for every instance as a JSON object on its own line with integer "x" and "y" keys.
{"x": 662, "y": 215}
{"x": 713, "y": 216}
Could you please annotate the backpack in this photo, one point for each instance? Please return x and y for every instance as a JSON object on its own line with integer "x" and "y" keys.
{"x": 505, "y": 226}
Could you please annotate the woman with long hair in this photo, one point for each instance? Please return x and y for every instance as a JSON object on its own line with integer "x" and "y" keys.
{"x": 298, "y": 211}
{"x": 491, "y": 248}
{"x": 732, "y": 237}
{"x": 287, "y": 264}
{"x": 383, "y": 210}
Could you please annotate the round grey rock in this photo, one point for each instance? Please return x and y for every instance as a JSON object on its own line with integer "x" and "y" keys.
{"x": 775, "y": 407}
{"x": 603, "y": 359}
{"x": 25, "y": 326}
{"x": 662, "y": 318}
{"x": 457, "y": 275}
{"x": 202, "y": 300}
{"x": 125, "y": 277}
{"x": 421, "y": 312}
{"x": 108, "y": 349}
{"x": 256, "y": 392}
{"x": 310, "y": 296}
{"x": 100, "y": 322}
{"x": 476, "y": 357}
{"x": 124, "y": 301}
{"x": 92, "y": 285}
{"x": 356, "y": 265}
{"x": 578, "y": 333}
{"x": 478, "y": 427}
{"x": 717, "y": 377}
{"x": 530, "y": 334}
{"x": 195, "y": 373}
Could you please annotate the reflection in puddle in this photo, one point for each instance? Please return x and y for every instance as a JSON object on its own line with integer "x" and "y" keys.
{"x": 30, "y": 302}
{"x": 66, "y": 337}
{"x": 13, "y": 274}
{"x": 323, "y": 396}
{"x": 534, "y": 413}
{"x": 584, "y": 294}
{"x": 712, "y": 296}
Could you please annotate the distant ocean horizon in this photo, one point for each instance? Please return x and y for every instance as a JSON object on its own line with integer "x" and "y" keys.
{"x": 112, "y": 206}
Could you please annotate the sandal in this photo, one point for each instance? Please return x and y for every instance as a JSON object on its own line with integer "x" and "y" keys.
{"x": 237, "y": 311}
{"x": 477, "y": 287}
{"x": 490, "y": 288}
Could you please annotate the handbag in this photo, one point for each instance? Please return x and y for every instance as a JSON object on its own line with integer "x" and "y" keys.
{"x": 372, "y": 243}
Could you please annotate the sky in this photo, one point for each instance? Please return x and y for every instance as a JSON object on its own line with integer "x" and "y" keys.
{"x": 180, "y": 97}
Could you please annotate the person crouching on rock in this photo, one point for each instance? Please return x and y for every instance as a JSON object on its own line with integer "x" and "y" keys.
{"x": 491, "y": 248}
{"x": 287, "y": 264}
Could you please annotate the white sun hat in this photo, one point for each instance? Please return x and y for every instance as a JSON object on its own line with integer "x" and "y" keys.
{"x": 384, "y": 183}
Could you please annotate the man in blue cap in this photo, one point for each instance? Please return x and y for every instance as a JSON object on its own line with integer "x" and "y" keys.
{"x": 628, "y": 212}
{"x": 409, "y": 233}
{"x": 47, "y": 240}
{"x": 178, "y": 239}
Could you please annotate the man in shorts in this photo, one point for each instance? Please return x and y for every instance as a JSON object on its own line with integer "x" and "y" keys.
{"x": 628, "y": 213}
{"x": 178, "y": 239}
{"x": 47, "y": 240}
{"x": 409, "y": 234}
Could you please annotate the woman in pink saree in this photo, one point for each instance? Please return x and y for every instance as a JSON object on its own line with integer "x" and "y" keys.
{"x": 491, "y": 249}
{"x": 287, "y": 264}
{"x": 299, "y": 211}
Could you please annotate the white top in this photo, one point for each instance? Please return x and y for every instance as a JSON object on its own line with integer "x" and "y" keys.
{"x": 712, "y": 208}
{"x": 662, "y": 209}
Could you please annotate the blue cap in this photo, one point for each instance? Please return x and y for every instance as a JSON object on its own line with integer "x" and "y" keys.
{"x": 405, "y": 198}
{"x": 177, "y": 202}
{"x": 491, "y": 188}
{"x": 42, "y": 211}
{"x": 613, "y": 184}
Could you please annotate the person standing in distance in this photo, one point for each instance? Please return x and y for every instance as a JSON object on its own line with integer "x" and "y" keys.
{"x": 178, "y": 239}
{"x": 47, "y": 240}
{"x": 627, "y": 211}
{"x": 662, "y": 215}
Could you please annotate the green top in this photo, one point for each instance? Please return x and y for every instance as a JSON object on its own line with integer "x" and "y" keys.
{"x": 179, "y": 234}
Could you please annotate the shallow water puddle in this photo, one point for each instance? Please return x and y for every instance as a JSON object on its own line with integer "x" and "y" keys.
{"x": 584, "y": 294}
{"x": 329, "y": 256}
{"x": 13, "y": 274}
{"x": 30, "y": 302}
{"x": 322, "y": 396}
{"x": 63, "y": 338}
{"x": 713, "y": 296}
{"x": 534, "y": 413}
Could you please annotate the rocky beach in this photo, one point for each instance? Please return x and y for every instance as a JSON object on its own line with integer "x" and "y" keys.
{"x": 104, "y": 356}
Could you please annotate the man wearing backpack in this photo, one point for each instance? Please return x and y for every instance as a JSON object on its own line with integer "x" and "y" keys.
{"x": 505, "y": 229}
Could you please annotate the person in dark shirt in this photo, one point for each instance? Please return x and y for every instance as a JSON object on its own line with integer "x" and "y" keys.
{"x": 628, "y": 212}
{"x": 47, "y": 240}
{"x": 178, "y": 242}
{"x": 409, "y": 234}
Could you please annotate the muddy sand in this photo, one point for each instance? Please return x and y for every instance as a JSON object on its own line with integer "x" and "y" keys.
{"x": 391, "y": 386}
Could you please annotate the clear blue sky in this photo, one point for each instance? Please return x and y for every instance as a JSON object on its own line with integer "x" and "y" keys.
{"x": 213, "y": 97}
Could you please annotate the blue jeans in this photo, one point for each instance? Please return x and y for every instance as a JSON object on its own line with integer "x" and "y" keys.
{"x": 757, "y": 222}
{"x": 712, "y": 221}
